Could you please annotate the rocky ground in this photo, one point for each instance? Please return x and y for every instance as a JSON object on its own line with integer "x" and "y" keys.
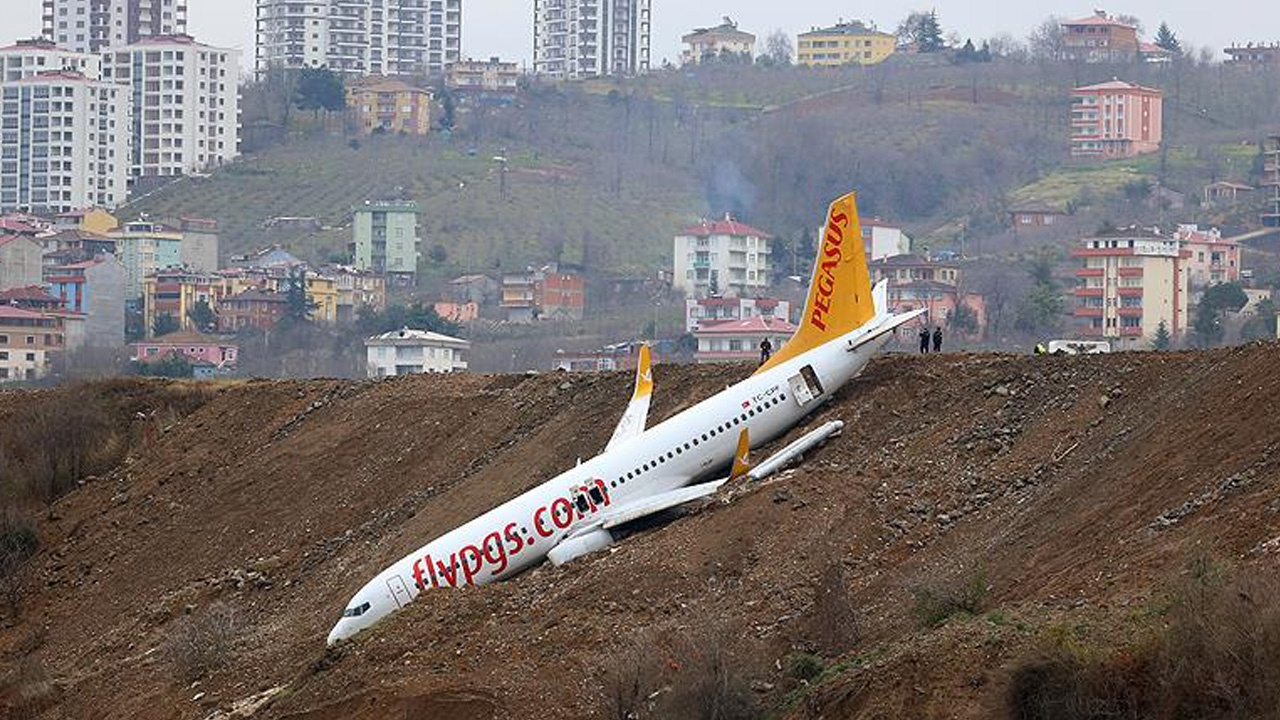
{"x": 1033, "y": 496}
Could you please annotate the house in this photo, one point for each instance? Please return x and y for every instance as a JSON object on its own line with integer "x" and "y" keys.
{"x": 1271, "y": 180}
{"x": 489, "y": 80}
{"x": 73, "y": 246}
{"x": 845, "y": 43}
{"x": 722, "y": 258}
{"x": 548, "y": 293}
{"x": 722, "y": 41}
{"x": 1028, "y": 217}
{"x": 1099, "y": 38}
{"x": 917, "y": 282}
{"x": 1211, "y": 259}
{"x": 610, "y": 358}
{"x": 176, "y": 292}
{"x": 1224, "y": 192}
{"x": 1251, "y": 56}
{"x": 88, "y": 220}
{"x": 29, "y": 341}
{"x": 738, "y": 340}
{"x": 1154, "y": 54}
{"x": 411, "y": 352}
{"x": 143, "y": 248}
{"x": 268, "y": 257}
{"x": 1116, "y": 119}
{"x": 254, "y": 308}
{"x": 388, "y": 105}
{"x": 717, "y": 309}
{"x": 356, "y": 289}
{"x": 385, "y": 239}
{"x": 457, "y": 312}
{"x": 21, "y": 263}
{"x": 479, "y": 289}
{"x": 95, "y": 289}
{"x": 880, "y": 239}
{"x": 197, "y": 348}
{"x": 1130, "y": 282}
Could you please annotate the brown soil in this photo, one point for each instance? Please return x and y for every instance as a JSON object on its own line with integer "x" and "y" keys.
{"x": 278, "y": 499}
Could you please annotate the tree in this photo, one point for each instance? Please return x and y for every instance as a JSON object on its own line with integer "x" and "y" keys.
{"x": 448, "y": 106}
{"x": 202, "y": 316}
{"x": 777, "y": 49}
{"x": 1163, "y": 339}
{"x": 924, "y": 30}
{"x": 1215, "y": 301}
{"x": 1131, "y": 20}
{"x": 1167, "y": 39}
{"x": 320, "y": 89}
{"x": 1042, "y": 307}
{"x": 173, "y": 365}
{"x": 164, "y": 324}
{"x": 1045, "y": 42}
{"x": 417, "y": 316}
{"x": 1262, "y": 326}
{"x": 298, "y": 307}
{"x": 438, "y": 254}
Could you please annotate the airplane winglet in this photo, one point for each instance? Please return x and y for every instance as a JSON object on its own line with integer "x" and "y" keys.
{"x": 644, "y": 375}
{"x": 741, "y": 458}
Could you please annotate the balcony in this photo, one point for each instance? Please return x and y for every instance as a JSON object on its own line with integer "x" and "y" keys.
{"x": 1090, "y": 272}
{"x": 1088, "y": 312}
{"x": 1131, "y": 332}
{"x": 1129, "y": 272}
{"x": 1130, "y": 311}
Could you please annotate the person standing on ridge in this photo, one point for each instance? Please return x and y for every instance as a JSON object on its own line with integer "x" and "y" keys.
{"x": 924, "y": 339}
{"x": 937, "y": 339}
{"x": 766, "y": 350}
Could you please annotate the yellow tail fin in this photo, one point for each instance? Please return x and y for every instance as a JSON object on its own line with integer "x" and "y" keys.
{"x": 644, "y": 375}
{"x": 840, "y": 291}
{"x": 741, "y": 458}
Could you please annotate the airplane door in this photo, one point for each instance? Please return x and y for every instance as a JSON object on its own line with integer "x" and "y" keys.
{"x": 805, "y": 386}
{"x": 399, "y": 591}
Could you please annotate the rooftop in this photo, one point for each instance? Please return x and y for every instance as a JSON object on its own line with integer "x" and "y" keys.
{"x": 185, "y": 337}
{"x": 1099, "y": 17}
{"x": 749, "y": 326}
{"x": 409, "y": 336}
{"x": 727, "y": 226}
{"x": 8, "y": 312}
{"x": 853, "y": 27}
{"x": 1117, "y": 84}
{"x": 911, "y": 260}
{"x": 31, "y": 293}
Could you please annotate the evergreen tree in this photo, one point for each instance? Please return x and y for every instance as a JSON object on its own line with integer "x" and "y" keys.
{"x": 202, "y": 316}
{"x": 1167, "y": 39}
{"x": 1163, "y": 340}
{"x": 164, "y": 324}
{"x": 1215, "y": 301}
{"x": 928, "y": 34}
{"x": 320, "y": 89}
{"x": 298, "y": 306}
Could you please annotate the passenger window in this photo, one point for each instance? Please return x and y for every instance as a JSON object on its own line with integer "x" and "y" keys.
{"x": 596, "y": 495}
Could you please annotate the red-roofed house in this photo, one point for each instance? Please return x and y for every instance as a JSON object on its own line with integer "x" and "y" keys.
{"x": 32, "y": 297}
{"x": 1099, "y": 38}
{"x": 197, "y": 347}
{"x": 703, "y": 310}
{"x": 917, "y": 282}
{"x": 1116, "y": 119}
{"x": 722, "y": 257}
{"x": 253, "y": 308}
{"x": 1213, "y": 259}
{"x": 735, "y": 340}
{"x": 20, "y": 261}
{"x": 28, "y": 341}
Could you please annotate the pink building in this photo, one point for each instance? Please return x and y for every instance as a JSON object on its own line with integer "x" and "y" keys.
{"x": 715, "y": 309}
{"x": 736, "y": 340}
{"x": 1116, "y": 119}
{"x": 200, "y": 349}
{"x": 1213, "y": 258}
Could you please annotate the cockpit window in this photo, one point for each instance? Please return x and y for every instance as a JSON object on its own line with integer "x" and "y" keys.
{"x": 356, "y": 611}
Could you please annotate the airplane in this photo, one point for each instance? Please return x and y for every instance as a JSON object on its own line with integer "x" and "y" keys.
{"x": 644, "y": 471}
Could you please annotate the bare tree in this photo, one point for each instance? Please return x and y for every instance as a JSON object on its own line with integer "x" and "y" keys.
{"x": 778, "y": 48}
{"x": 1045, "y": 41}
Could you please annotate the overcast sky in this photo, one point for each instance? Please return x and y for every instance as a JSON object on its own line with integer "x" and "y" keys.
{"x": 504, "y": 27}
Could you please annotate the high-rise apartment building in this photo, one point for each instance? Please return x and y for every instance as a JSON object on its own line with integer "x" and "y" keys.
{"x": 186, "y": 103}
{"x": 360, "y": 37}
{"x": 32, "y": 57}
{"x": 64, "y": 143}
{"x": 1116, "y": 119}
{"x": 94, "y": 25}
{"x": 1129, "y": 283}
{"x": 587, "y": 38}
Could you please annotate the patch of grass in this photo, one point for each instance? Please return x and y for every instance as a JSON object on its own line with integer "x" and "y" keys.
{"x": 963, "y": 594}
{"x": 804, "y": 666}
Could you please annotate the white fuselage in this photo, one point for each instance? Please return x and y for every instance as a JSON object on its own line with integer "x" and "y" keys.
{"x": 691, "y": 446}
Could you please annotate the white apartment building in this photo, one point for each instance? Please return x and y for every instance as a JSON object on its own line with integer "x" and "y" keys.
{"x": 90, "y": 26}
{"x": 575, "y": 39}
{"x": 64, "y": 143}
{"x": 722, "y": 258}
{"x": 32, "y": 57}
{"x": 186, "y": 103}
{"x": 360, "y": 37}
{"x": 413, "y": 352}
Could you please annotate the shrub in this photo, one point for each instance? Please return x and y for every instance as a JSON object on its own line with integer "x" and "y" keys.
{"x": 804, "y": 666}
{"x": 629, "y": 677}
{"x": 710, "y": 685}
{"x": 200, "y": 644}
{"x": 961, "y": 594}
{"x": 18, "y": 542}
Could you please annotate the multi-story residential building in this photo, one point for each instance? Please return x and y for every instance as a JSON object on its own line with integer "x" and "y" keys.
{"x": 737, "y": 340}
{"x": 251, "y": 309}
{"x": 1211, "y": 258}
{"x": 197, "y": 348}
{"x": 845, "y": 43}
{"x": 385, "y": 238}
{"x": 94, "y": 289}
{"x": 1034, "y": 216}
{"x": 185, "y": 103}
{"x": 1271, "y": 180}
{"x": 1099, "y": 38}
{"x": 93, "y": 25}
{"x": 144, "y": 248}
{"x": 413, "y": 352}
{"x": 718, "y": 309}
{"x": 176, "y": 292}
{"x": 29, "y": 340}
{"x": 1130, "y": 281}
{"x": 356, "y": 289}
{"x": 21, "y": 263}
{"x": 722, "y": 258}
{"x": 64, "y": 143}
{"x": 412, "y": 38}
{"x": 574, "y": 39}
{"x": 880, "y": 239}
{"x": 548, "y": 293}
{"x": 381, "y": 104}
{"x": 484, "y": 79}
{"x": 1261, "y": 56}
{"x": 1116, "y": 119}
{"x": 724, "y": 41}
{"x": 40, "y": 55}
{"x": 917, "y": 282}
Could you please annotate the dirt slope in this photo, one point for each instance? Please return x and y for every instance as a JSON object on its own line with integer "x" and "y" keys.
{"x": 1073, "y": 487}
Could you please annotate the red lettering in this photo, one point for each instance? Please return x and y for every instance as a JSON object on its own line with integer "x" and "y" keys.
{"x": 495, "y": 553}
{"x": 450, "y": 572}
{"x": 537, "y": 523}
{"x": 469, "y": 573}
{"x": 816, "y": 319}
{"x": 512, "y": 535}
{"x": 603, "y": 491}
{"x": 567, "y": 514}
{"x": 417, "y": 574}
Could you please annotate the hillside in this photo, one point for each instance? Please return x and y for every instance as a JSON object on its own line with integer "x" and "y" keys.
{"x": 1067, "y": 495}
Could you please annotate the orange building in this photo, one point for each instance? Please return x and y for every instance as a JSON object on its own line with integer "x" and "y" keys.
{"x": 386, "y": 105}
{"x": 1130, "y": 282}
{"x": 1099, "y": 38}
{"x": 1116, "y": 119}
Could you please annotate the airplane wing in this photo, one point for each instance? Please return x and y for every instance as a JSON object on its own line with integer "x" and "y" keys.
{"x": 637, "y": 412}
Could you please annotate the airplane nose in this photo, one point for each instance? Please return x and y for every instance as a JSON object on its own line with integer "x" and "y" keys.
{"x": 336, "y": 634}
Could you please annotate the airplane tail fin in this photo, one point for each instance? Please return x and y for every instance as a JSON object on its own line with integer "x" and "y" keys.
{"x": 840, "y": 298}
{"x": 741, "y": 458}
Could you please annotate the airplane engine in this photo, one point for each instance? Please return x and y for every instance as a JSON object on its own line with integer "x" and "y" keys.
{"x": 576, "y": 547}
